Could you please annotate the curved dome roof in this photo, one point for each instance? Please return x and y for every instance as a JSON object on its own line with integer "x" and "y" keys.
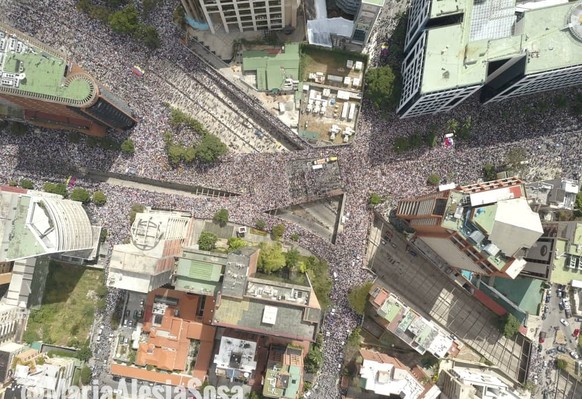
{"x": 575, "y": 21}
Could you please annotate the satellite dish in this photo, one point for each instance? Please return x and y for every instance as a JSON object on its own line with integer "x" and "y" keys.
{"x": 575, "y": 21}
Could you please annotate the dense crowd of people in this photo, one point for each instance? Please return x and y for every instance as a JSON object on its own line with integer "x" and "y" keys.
{"x": 369, "y": 165}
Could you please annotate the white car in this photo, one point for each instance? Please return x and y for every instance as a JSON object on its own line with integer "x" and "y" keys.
{"x": 574, "y": 355}
{"x": 564, "y": 322}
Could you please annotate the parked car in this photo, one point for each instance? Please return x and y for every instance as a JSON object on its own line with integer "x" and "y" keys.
{"x": 564, "y": 322}
{"x": 542, "y": 337}
{"x": 561, "y": 349}
{"x": 412, "y": 253}
{"x": 574, "y": 355}
{"x": 551, "y": 351}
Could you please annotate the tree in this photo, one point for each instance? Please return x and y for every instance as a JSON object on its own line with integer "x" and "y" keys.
{"x": 511, "y": 325}
{"x": 560, "y": 364}
{"x": 292, "y": 258}
{"x": 382, "y": 87}
{"x": 578, "y": 203}
{"x": 128, "y": 147}
{"x": 175, "y": 153}
{"x": 124, "y": 20}
{"x": 18, "y": 128}
{"x": 149, "y": 36}
{"x": 235, "y": 243}
{"x": 99, "y": 198}
{"x": 260, "y": 224}
{"x": 135, "y": 209}
{"x": 179, "y": 16}
{"x": 221, "y": 217}
{"x": 210, "y": 149}
{"x": 207, "y": 241}
{"x": 149, "y": 6}
{"x": 294, "y": 237}
{"x": 85, "y": 375}
{"x": 27, "y": 184}
{"x": 271, "y": 258}
{"x": 433, "y": 179}
{"x": 131, "y": 357}
{"x": 375, "y": 199}
{"x": 358, "y": 297}
{"x": 489, "y": 172}
{"x": 81, "y": 195}
{"x": 58, "y": 188}
{"x": 85, "y": 353}
{"x": 277, "y": 231}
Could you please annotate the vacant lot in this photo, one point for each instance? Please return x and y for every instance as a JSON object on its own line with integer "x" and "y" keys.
{"x": 71, "y": 296}
{"x": 327, "y": 61}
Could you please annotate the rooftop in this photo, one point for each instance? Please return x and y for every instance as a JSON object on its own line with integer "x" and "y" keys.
{"x": 273, "y": 65}
{"x": 37, "y": 223}
{"x": 488, "y": 32}
{"x": 29, "y": 68}
{"x": 284, "y": 373}
{"x": 199, "y": 272}
{"x": 236, "y": 354}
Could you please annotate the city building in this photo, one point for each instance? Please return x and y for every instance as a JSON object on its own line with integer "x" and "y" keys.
{"x": 422, "y": 335}
{"x": 484, "y": 228}
{"x": 241, "y": 15}
{"x": 261, "y": 306}
{"x": 365, "y": 20}
{"x": 556, "y": 194}
{"x": 284, "y": 373}
{"x": 175, "y": 342}
{"x": 8, "y": 353}
{"x": 456, "y": 48}
{"x": 34, "y": 223}
{"x": 460, "y": 381}
{"x": 236, "y": 359}
{"x": 200, "y": 272}
{"x": 43, "y": 87}
{"x": 349, "y": 7}
{"x": 273, "y": 68}
{"x": 55, "y": 375}
{"x": 148, "y": 261}
{"x": 386, "y": 376}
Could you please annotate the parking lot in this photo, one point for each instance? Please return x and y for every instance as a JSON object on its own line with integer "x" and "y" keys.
{"x": 420, "y": 283}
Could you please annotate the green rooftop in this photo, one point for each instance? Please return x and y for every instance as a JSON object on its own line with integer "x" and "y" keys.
{"x": 526, "y": 293}
{"x": 485, "y": 217}
{"x": 199, "y": 272}
{"x": 389, "y": 309}
{"x": 44, "y": 73}
{"x": 453, "y": 60}
{"x": 272, "y": 66}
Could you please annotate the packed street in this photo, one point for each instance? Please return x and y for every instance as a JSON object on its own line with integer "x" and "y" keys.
{"x": 258, "y": 171}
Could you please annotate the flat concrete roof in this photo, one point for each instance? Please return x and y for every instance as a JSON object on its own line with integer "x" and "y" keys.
{"x": 453, "y": 60}
{"x": 273, "y": 65}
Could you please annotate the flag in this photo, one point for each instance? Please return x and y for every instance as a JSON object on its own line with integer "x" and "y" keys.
{"x": 72, "y": 181}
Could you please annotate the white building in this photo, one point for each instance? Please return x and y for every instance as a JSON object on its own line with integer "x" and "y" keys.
{"x": 385, "y": 375}
{"x": 236, "y": 357}
{"x": 34, "y": 223}
{"x": 454, "y": 49}
{"x": 148, "y": 261}
{"x": 56, "y": 375}
{"x": 242, "y": 15}
{"x": 467, "y": 382}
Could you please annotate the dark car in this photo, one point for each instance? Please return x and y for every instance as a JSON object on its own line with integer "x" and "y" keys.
{"x": 561, "y": 349}
{"x": 542, "y": 337}
{"x": 412, "y": 253}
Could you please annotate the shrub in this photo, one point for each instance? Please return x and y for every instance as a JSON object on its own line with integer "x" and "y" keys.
{"x": 260, "y": 224}
{"x": 375, "y": 199}
{"x": 99, "y": 198}
{"x": 81, "y": 195}
{"x": 221, "y": 217}
{"x": 26, "y": 183}
{"x": 277, "y": 231}
{"x": 433, "y": 179}
{"x": 207, "y": 241}
{"x": 128, "y": 147}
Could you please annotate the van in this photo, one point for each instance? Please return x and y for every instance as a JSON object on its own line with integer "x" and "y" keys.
{"x": 334, "y": 275}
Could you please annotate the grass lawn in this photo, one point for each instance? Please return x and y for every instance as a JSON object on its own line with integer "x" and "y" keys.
{"x": 68, "y": 306}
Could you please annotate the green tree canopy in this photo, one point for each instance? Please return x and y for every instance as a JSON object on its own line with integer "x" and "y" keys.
{"x": 27, "y": 183}
{"x": 221, "y": 217}
{"x": 85, "y": 353}
{"x": 277, "y": 231}
{"x": 292, "y": 258}
{"x": 55, "y": 188}
{"x": 149, "y": 36}
{"x": 81, "y": 195}
{"x": 235, "y": 243}
{"x": 382, "y": 87}
{"x": 85, "y": 375}
{"x": 375, "y": 199}
{"x": 271, "y": 258}
{"x": 207, "y": 241}
{"x": 128, "y": 147}
{"x": 260, "y": 224}
{"x": 489, "y": 172}
{"x": 358, "y": 297}
{"x": 511, "y": 325}
{"x": 561, "y": 364}
{"x": 433, "y": 179}
{"x": 99, "y": 198}
{"x": 124, "y": 20}
{"x": 578, "y": 203}
{"x": 210, "y": 149}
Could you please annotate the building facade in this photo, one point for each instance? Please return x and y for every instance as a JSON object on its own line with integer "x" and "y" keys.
{"x": 484, "y": 228}
{"x": 366, "y": 17}
{"x": 242, "y": 15}
{"x": 453, "y": 49}
{"x": 43, "y": 87}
